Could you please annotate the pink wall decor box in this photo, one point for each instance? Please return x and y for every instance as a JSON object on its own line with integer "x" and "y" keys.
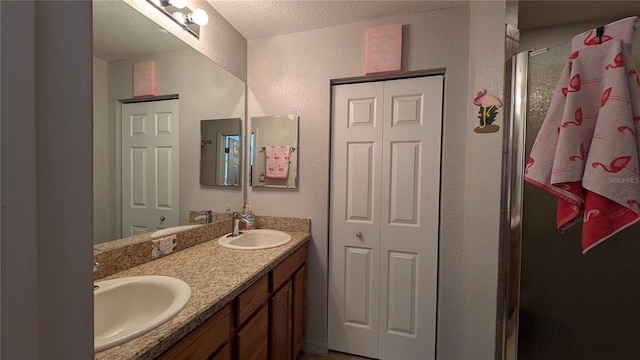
{"x": 383, "y": 49}
{"x": 144, "y": 79}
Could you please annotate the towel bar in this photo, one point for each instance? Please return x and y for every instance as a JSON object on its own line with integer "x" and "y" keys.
{"x": 293, "y": 148}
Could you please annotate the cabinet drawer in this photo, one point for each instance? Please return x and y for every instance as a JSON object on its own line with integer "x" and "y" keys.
{"x": 283, "y": 271}
{"x": 252, "y": 340}
{"x": 204, "y": 340}
{"x": 251, "y": 299}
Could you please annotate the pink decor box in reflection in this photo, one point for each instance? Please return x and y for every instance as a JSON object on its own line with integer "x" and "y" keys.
{"x": 383, "y": 49}
{"x": 144, "y": 79}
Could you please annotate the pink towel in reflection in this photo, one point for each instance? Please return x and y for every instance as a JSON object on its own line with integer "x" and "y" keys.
{"x": 277, "y": 161}
{"x": 586, "y": 152}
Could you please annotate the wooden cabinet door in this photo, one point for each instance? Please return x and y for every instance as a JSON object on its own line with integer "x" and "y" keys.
{"x": 281, "y": 323}
{"x": 224, "y": 354}
{"x": 299, "y": 310}
{"x": 204, "y": 340}
{"x": 251, "y": 299}
{"x": 252, "y": 339}
{"x": 285, "y": 270}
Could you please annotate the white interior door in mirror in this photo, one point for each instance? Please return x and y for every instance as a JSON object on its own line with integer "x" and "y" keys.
{"x": 150, "y": 154}
{"x": 274, "y": 143}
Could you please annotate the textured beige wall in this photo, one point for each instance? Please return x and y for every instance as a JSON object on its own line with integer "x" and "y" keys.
{"x": 292, "y": 73}
{"x": 46, "y": 181}
{"x": 483, "y": 175}
{"x": 18, "y": 235}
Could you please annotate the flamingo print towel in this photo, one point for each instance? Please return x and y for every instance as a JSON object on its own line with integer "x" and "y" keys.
{"x": 586, "y": 152}
{"x": 277, "y": 161}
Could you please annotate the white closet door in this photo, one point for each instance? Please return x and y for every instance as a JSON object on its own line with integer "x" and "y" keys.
{"x": 409, "y": 231}
{"x": 385, "y": 183}
{"x": 355, "y": 210}
{"x": 150, "y": 156}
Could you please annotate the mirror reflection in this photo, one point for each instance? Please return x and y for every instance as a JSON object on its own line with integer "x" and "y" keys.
{"x": 124, "y": 37}
{"x": 220, "y": 152}
{"x": 274, "y": 151}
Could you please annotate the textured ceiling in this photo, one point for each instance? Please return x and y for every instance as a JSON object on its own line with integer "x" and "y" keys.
{"x": 536, "y": 14}
{"x": 263, "y": 18}
{"x": 258, "y": 19}
{"x": 118, "y": 28}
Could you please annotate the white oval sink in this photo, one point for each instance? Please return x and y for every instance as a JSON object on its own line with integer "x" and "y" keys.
{"x": 126, "y": 308}
{"x": 255, "y": 239}
{"x": 172, "y": 230}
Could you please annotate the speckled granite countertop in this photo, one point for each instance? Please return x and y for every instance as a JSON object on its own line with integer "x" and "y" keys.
{"x": 216, "y": 276}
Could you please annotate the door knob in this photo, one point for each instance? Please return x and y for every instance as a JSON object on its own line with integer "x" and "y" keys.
{"x": 359, "y": 235}
{"x": 161, "y": 218}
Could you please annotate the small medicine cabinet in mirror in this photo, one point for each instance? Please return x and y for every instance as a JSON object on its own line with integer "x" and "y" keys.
{"x": 274, "y": 151}
{"x": 220, "y": 152}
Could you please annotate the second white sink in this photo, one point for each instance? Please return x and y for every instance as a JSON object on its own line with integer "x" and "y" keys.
{"x": 255, "y": 239}
{"x": 172, "y": 230}
{"x": 128, "y": 307}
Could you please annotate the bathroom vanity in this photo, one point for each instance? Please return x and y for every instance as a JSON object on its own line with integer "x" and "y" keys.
{"x": 245, "y": 304}
{"x": 267, "y": 318}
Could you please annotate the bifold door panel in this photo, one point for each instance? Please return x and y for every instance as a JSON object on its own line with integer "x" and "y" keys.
{"x": 385, "y": 193}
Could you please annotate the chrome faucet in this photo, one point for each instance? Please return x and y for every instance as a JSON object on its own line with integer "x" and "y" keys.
{"x": 237, "y": 217}
{"x": 95, "y": 260}
{"x": 207, "y": 217}
{"x": 95, "y": 265}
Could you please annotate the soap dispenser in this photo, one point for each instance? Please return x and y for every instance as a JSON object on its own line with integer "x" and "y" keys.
{"x": 249, "y": 215}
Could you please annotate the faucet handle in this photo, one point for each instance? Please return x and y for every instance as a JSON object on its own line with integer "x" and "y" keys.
{"x": 96, "y": 252}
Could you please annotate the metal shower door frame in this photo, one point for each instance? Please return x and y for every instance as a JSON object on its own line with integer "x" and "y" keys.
{"x": 511, "y": 207}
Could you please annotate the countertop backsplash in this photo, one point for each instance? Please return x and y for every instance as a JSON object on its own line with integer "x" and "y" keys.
{"x": 123, "y": 254}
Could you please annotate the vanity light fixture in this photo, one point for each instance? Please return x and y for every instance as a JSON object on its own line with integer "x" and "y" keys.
{"x": 188, "y": 19}
{"x": 179, "y": 4}
{"x": 198, "y": 16}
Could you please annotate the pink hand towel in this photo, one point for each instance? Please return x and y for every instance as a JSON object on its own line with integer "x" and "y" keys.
{"x": 587, "y": 150}
{"x": 277, "y": 161}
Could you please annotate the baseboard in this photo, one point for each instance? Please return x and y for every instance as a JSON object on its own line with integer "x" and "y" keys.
{"x": 315, "y": 348}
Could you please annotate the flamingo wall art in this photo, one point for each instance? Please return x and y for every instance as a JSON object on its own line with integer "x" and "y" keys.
{"x": 489, "y": 105}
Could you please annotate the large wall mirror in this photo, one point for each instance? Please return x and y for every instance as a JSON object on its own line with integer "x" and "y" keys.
{"x": 122, "y": 37}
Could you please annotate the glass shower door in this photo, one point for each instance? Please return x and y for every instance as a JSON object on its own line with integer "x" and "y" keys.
{"x": 572, "y": 306}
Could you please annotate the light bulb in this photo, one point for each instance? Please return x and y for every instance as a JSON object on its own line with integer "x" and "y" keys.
{"x": 179, "y": 17}
{"x": 200, "y": 17}
{"x": 179, "y": 3}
